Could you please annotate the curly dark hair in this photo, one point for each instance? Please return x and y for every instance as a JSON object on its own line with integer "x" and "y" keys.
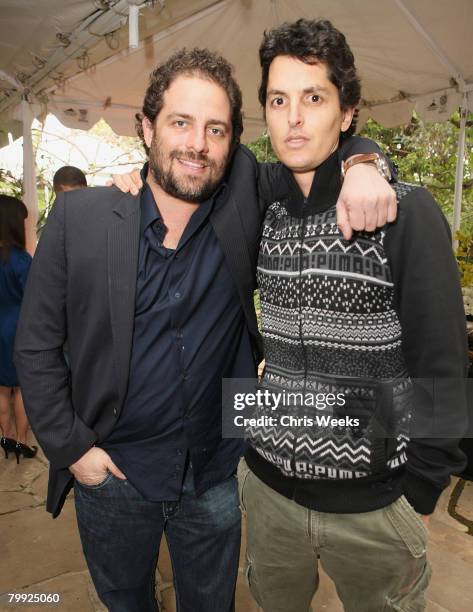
{"x": 313, "y": 41}
{"x": 12, "y": 224}
{"x": 199, "y": 62}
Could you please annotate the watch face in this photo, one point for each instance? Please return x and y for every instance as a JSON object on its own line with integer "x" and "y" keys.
{"x": 383, "y": 167}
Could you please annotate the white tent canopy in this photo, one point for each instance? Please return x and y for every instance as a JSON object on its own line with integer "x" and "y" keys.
{"x": 74, "y": 60}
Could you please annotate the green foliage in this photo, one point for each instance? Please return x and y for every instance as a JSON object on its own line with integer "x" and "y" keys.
{"x": 262, "y": 149}
{"x": 10, "y": 185}
{"x": 256, "y": 300}
{"x": 426, "y": 154}
{"x": 464, "y": 255}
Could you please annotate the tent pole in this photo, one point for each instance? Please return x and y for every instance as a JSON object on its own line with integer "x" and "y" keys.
{"x": 457, "y": 205}
{"x": 30, "y": 195}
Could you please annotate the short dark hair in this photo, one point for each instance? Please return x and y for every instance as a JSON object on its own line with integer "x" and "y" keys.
{"x": 199, "y": 62}
{"x": 69, "y": 176}
{"x": 313, "y": 41}
{"x": 12, "y": 224}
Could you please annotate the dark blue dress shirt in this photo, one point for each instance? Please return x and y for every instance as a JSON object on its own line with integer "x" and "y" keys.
{"x": 189, "y": 333}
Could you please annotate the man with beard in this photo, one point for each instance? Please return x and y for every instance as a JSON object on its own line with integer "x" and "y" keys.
{"x": 155, "y": 298}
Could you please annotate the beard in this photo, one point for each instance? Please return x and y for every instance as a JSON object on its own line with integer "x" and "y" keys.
{"x": 188, "y": 188}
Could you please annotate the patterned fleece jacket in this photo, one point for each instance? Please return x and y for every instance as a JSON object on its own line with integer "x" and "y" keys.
{"x": 377, "y": 326}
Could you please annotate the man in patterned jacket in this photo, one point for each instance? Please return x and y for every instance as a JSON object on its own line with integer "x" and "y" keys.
{"x": 352, "y": 322}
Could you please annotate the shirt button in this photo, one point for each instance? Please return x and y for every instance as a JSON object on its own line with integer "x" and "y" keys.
{"x": 114, "y": 411}
{"x": 177, "y": 295}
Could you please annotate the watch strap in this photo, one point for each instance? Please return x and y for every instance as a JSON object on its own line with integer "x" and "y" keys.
{"x": 365, "y": 158}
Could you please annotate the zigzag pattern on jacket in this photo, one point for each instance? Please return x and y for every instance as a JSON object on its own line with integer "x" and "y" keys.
{"x": 330, "y": 327}
{"x": 345, "y": 455}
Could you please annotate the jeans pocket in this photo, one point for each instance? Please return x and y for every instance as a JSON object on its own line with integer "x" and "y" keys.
{"x": 108, "y": 478}
{"x": 409, "y": 526}
{"x": 243, "y": 473}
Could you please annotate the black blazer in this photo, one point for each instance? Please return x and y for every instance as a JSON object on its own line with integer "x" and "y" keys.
{"x": 81, "y": 288}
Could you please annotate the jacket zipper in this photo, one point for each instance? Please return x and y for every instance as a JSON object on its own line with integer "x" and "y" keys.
{"x": 301, "y": 331}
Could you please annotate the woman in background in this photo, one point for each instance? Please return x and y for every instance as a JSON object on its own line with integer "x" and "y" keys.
{"x": 14, "y": 266}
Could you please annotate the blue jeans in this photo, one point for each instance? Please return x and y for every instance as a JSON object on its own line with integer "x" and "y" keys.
{"x": 121, "y": 533}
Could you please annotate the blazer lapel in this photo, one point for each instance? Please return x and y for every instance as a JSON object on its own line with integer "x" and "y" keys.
{"x": 123, "y": 247}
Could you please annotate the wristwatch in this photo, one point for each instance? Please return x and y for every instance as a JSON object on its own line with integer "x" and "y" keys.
{"x": 378, "y": 160}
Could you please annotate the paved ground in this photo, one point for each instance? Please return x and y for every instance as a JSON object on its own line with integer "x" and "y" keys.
{"x": 38, "y": 554}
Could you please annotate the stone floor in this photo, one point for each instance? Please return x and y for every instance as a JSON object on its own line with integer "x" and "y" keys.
{"x": 41, "y": 555}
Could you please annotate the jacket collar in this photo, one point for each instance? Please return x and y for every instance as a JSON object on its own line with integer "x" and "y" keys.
{"x": 323, "y": 193}
{"x": 126, "y": 204}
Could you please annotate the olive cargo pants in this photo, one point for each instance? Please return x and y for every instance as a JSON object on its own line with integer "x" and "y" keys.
{"x": 376, "y": 559}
